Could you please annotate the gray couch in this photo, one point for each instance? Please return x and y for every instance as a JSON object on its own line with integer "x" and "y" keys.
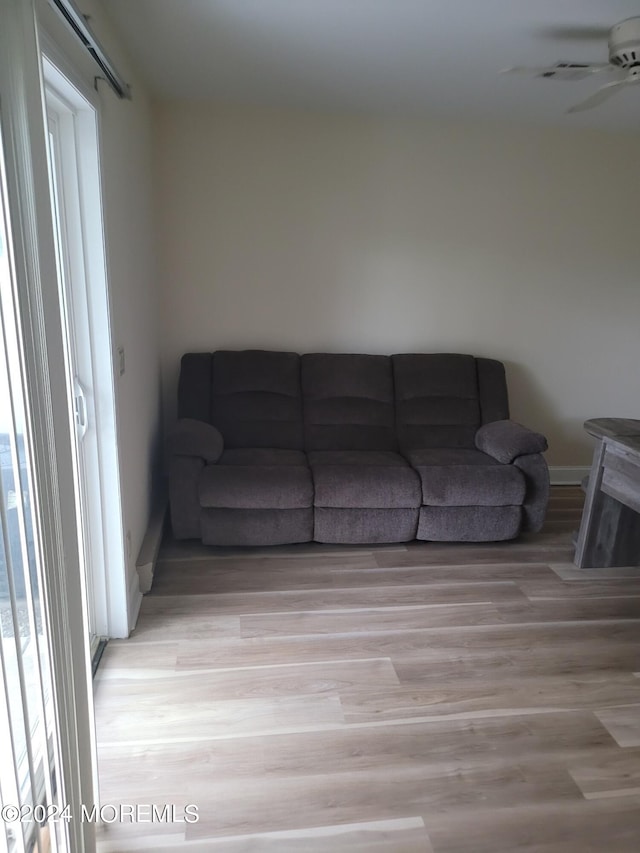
{"x": 274, "y": 447}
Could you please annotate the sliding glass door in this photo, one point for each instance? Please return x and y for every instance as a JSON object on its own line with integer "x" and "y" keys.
{"x": 29, "y": 758}
{"x": 47, "y": 744}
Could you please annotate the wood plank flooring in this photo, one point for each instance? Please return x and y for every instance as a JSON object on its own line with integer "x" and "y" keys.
{"x": 429, "y": 697}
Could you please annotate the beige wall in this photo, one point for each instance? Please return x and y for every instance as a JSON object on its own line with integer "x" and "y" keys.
{"x": 289, "y": 230}
{"x": 127, "y": 158}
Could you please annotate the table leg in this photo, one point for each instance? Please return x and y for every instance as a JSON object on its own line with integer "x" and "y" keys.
{"x": 609, "y": 531}
{"x": 587, "y": 535}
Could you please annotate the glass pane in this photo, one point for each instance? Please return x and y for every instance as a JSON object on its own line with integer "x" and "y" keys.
{"x": 27, "y": 777}
{"x": 71, "y": 354}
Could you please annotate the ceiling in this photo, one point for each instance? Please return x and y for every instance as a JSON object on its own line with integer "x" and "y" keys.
{"x": 410, "y": 57}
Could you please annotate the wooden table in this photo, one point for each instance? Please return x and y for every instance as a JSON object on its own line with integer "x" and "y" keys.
{"x": 610, "y": 529}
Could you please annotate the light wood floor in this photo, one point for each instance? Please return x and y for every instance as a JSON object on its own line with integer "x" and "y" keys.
{"x": 443, "y": 698}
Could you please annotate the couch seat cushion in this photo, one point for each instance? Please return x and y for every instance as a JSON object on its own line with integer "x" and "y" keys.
{"x": 461, "y": 477}
{"x": 257, "y": 478}
{"x": 375, "y": 479}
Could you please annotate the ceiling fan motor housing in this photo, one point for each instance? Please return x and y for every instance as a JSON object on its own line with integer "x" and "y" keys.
{"x": 624, "y": 44}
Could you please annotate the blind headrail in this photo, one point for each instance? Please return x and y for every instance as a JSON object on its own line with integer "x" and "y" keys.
{"x": 78, "y": 23}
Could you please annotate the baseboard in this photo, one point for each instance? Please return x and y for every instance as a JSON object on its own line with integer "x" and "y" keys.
{"x": 567, "y": 476}
{"x": 146, "y": 562}
{"x": 134, "y": 600}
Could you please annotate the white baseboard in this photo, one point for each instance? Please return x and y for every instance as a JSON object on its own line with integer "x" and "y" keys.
{"x": 567, "y": 476}
{"x": 146, "y": 562}
{"x": 134, "y": 600}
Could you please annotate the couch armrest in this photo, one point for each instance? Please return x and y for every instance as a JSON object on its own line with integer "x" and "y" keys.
{"x": 189, "y": 447}
{"x": 536, "y": 476}
{"x": 184, "y": 476}
{"x": 195, "y": 438}
{"x": 506, "y": 440}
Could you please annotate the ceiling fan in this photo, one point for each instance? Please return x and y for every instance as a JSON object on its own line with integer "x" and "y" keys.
{"x": 623, "y": 65}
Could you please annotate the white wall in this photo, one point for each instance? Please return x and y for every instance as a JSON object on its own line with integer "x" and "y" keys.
{"x": 126, "y": 159}
{"x": 308, "y": 232}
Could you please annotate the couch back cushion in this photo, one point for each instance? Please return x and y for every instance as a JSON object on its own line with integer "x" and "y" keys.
{"x": 348, "y": 402}
{"x": 437, "y": 400}
{"x": 256, "y": 399}
{"x": 194, "y": 386}
{"x": 253, "y": 397}
{"x": 492, "y": 389}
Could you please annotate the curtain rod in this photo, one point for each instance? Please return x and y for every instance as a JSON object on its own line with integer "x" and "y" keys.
{"x": 78, "y": 23}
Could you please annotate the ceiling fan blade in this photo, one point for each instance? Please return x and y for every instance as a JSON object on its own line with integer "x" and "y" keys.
{"x": 561, "y": 70}
{"x": 592, "y": 32}
{"x": 600, "y": 95}
{"x": 526, "y": 69}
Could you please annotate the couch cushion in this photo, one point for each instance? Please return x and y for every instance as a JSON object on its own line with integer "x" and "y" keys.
{"x": 348, "y": 402}
{"x": 460, "y": 477}
{"x": 354, "y": 526}
{"x": 194, "y": 386}
{"x": 263, "y": 456}
{"x": 492, "y": 390}
{"x": 257, "y": 478}
{"x": 256, "y": 399}
{"x": 469, "y": 523}
{"x": 363, "y": 479}
{"x": 356, "y": 457}
{"x": 255, "y": 527}
{"x": 436, "y": 400}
